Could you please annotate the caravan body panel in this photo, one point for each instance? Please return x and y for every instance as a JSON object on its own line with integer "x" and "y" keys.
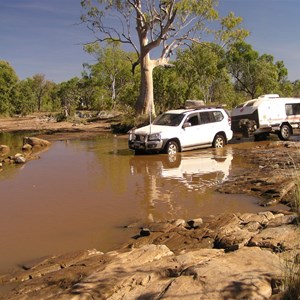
{"x": 266, "y": 114}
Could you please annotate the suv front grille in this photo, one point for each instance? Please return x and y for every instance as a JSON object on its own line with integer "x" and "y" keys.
{"x": 140, "y": 138}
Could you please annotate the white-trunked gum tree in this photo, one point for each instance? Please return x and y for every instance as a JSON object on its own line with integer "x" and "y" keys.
{"x": 156, "y": 28}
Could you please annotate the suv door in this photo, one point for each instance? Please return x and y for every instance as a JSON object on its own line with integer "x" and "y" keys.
{"x": 210, "y": 125}
{"x": 191, "y": 134}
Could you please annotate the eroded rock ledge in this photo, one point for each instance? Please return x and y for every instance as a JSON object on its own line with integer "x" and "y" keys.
{"x": 232, "y": 256}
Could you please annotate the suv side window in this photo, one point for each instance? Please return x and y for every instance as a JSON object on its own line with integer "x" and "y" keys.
{"x": 193, "y": 119}
{"x": 206, "y": 117}
{"x": 211, "y": 116}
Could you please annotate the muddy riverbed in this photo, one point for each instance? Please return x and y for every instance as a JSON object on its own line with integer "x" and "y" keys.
{"x": 81, "y": 193}
{"x": 89, "y": 191}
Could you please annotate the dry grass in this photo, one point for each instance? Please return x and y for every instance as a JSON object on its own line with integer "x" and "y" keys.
{"x": 291, "y": 281}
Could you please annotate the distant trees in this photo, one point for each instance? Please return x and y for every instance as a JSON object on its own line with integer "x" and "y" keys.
{"x": 111, "y": 74}
{"x": 69, "y": 95}
{"x": 24, "y": 101}
{"x": 254, "y": 74}
{"x": 41, "y": 89}
{"x": 8, "y": 82}
{"x": 203, "y": 67}
{"x": 202, "y": 71}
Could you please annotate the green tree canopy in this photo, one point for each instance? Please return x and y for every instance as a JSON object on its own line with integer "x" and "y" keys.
{"x": 253, "y": 74}
{"x": 111, "y": 74}
{"x": 41, "y": 89}
{"x": 203, "y": 68}
{"x": 70, "y": 95}
{"x": 24, "y": 101}
{"x": 8, "y": 83}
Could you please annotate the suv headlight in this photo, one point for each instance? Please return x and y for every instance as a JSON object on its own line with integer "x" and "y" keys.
{"x": 131, "y": 136}
{"x": 154, "y": 137}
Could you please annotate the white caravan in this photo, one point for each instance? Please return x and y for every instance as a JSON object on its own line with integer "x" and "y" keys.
{"x": 267, "y": 114}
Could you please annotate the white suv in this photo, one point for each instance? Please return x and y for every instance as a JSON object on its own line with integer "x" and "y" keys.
{"x": 181, "y": 130}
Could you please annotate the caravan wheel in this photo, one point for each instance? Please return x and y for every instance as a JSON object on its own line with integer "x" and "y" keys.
{"x": 285, "y": 132}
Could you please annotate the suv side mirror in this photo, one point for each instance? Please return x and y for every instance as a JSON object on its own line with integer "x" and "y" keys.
{"x": 186, "y": 124}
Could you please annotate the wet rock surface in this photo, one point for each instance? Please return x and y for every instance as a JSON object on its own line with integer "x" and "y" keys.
{"x": 32, "y": 147}
{"x": 273, "y": 175}
{"x": 229, "y": 256}
{"x": 232, "y": 256}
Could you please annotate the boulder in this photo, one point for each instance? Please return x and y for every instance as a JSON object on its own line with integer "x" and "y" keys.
{"x": 281, "y": 238}
{"x": 4, "y": 149}
{"x": 27, "y": 147}
{"x": 19, "y": 159}
{"x": 35, "y": 142}
{"x": 195, "y": 223}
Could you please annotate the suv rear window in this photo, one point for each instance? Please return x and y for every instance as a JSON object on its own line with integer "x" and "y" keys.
{"x": 211, "y": 116}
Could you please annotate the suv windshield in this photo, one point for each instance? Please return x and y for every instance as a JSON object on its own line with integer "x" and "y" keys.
{"x": 168, "y": 119}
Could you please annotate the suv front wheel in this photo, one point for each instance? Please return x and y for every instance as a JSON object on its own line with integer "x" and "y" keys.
{"x": 219, "y": 141}
{"x": 171, "y": 148}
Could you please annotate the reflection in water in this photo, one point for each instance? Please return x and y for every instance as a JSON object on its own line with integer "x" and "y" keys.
{"x": 196, "y": 172}
{"x": 166, "y": 177}
{"x": 81, "y": 193}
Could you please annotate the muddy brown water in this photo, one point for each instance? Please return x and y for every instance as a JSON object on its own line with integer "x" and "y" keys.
{"x": 81, "y": 193}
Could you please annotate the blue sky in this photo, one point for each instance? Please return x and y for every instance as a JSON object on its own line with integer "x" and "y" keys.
{"x": 43, "y": 36}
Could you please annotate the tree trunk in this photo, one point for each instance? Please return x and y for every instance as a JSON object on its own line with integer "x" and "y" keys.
{"x": 145, "y": 101}
{"x": 113, "y": 90}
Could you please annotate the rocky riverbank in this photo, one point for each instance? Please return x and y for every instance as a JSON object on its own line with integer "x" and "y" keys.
{"x": 229, "y": 256}
{"x": 232, "y": 256}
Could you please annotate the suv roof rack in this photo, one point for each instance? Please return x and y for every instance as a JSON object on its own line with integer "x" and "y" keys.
{"x": 203, "y": 107}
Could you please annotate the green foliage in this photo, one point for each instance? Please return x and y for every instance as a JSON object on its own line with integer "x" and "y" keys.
{"x": 24, "y": 102}
{"x": 8, "y": 82}
{"x": 194, "y": 7}
{"x": 40, "y": 88}
{"x": 169, "y": 90}
{"x": 203, "y": 69}
{"x": 70, "y": 96}
{"x": 112, "y": 75}
{"x": 296, "y": 88}
{"x": 130, "y": 120}
{"x": 254, "y": 74}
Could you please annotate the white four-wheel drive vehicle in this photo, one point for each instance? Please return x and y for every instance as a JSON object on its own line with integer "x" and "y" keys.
{"x": 181, "y": 130}
{"x": 267, "y": 114}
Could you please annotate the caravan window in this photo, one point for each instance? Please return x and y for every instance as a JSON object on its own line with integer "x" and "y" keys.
{"x": 292, "y": 109}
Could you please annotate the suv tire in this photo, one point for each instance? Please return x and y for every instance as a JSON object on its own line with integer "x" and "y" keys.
{"x": 219, "y": 141}
{"x": 171, "y": 148}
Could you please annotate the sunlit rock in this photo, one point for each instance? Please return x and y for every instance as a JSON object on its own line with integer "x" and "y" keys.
{"x": 4, "y": 149}
{"x": 27, "y": 147}
{"x": 35, "y": 142}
